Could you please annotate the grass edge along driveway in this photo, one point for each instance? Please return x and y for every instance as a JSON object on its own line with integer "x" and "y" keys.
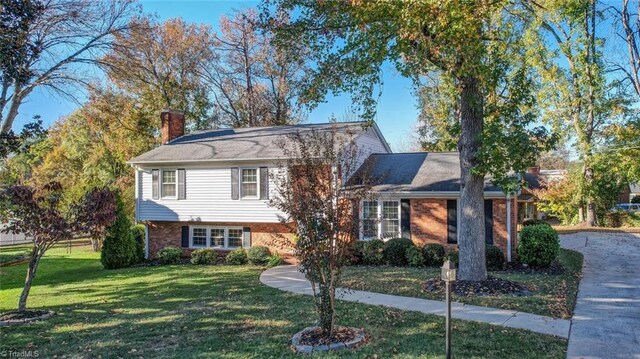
{"x": 218, "y": 311}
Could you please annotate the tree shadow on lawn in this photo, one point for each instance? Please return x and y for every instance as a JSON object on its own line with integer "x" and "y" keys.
{"x": 220, "y": 311}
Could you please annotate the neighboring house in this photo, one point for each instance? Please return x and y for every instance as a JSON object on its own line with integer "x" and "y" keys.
{"x": 629, "y": 193}
{"x": 535, "y": 179}
{"x": 211, "y": 189}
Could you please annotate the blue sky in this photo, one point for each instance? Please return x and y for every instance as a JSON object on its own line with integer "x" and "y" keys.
{"x": 397, "y": 111}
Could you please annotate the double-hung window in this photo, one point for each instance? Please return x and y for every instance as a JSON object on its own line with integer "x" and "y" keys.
{"x": 249, "y": 183}
{"x": 390, "y": 219}
{"x": 217, "y": 237}
{"x": 234, "y": 238}
{"x": 168, "y": 183}
{"x": 370, "y": 219}
{"x": 199, "y": 237}
{"x": 380, "y": 219}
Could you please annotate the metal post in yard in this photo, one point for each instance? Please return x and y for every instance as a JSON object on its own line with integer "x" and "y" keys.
{"x": 448, "y": 275}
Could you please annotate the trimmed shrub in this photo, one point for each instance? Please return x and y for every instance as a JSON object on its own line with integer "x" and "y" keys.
{"x": 237, "y": 256}
{"x": 170, "y": 255}
{"x": 538, "y": 246}
{"x": 452, "y": 256}
{"x": 274, "y": 260}
{"x": 373, "y": 252}
{"x": 258, "y": 255}
{"x": 118, "y": 248}
{"x": 433, "y": 254}
{"x": 356, "y": 252}
{"x": 137, "y": 231}
{"x": 395, "y": 249}
{"x": 495, "y": 258}
{"x": 534, "y": 222}
{"x": 635, "y": 199}
{"x": 414, "y": 257}
{"x": 203, "y": 256}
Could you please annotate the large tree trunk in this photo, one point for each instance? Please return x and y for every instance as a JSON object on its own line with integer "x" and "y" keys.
{"x": 31, "y": 274}
{"x": 471, "y": 241}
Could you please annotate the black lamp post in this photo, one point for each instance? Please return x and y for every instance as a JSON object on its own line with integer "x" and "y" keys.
{"x": 448, "y": 276}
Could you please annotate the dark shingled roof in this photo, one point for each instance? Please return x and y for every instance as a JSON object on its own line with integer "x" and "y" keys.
{"x": 533, "y": 181}
{"x": 419, "y": 172}
{"x": 235, "y": 143}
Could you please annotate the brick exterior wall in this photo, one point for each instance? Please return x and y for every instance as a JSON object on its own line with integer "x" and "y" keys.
{"x": 162, "y": 234}
{"x": 429, "y": 223}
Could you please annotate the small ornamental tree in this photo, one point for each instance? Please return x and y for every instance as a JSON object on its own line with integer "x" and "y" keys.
{"x": 319, "y": 209}
{"x": 39, "y": 214}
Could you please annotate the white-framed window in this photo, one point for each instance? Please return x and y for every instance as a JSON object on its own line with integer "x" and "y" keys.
{"x": 380, "y": 219}
{"x": 199, "y": 237}
{"x": 370, "y": 219}
{"x": 390, "y": 226}
{"x": 169, "y": 184}
{"x": 215, "y": 237}
{"x": 234, "y": 237}
{"x": 249, "y": 183}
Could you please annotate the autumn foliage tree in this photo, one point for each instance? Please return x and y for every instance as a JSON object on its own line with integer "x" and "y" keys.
{"x": 37, "y": 212}
{"x": 309, "y": 190}
{"x": 463, "y": 42}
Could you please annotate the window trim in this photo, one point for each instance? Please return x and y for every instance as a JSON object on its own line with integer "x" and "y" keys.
{"x": 206, "y": 237}
{"x": 379, "y": 218}
{"x": 175, "y": 184}
{"x": 209, "y": 240}
{"x": 240, "y": 189}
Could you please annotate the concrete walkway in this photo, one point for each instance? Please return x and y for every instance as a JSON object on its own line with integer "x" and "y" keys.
{"x": 287, "y": 278}
{"x": 606, "y": 321}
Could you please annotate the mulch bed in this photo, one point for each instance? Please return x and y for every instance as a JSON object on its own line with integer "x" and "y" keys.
{"x": 340, "y": 334}
{"x": 22, "y": 317}
{"x": 555, "y": 268}
{"x": 490, "y": 287}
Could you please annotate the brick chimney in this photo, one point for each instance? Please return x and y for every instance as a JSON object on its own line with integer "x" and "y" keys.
{"x": 172, "y": 124}
{"x": 534, "y": 169}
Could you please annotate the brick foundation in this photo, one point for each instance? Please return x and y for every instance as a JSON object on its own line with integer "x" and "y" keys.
{"x": 162, "y": 234}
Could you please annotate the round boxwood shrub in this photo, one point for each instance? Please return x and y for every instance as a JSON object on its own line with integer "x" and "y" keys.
{"x": 258, "y": 255}
{"x": 538, "y": 246}
{"x": 203, "y": 256}
{"x": 373, "y": 252}
{"x": 414, "y": 257}
{"x": 237, "y": 256}
{"x": 118, "y": 248}
{"x": 452, "y": 256}
{"x": 137, "y": 231}
{"x": 495, "y": 258}
{"x": 395, "y": 249}
{"x": 433, "y": 254}
{"x": 356, "y": 252}
{"x": 169, "y": 255}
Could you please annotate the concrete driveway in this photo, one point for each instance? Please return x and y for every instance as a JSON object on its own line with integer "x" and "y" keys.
{"x": 606, "y": 321}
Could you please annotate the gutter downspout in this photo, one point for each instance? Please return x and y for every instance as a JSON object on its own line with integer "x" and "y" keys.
{"x": 508, "y": 227}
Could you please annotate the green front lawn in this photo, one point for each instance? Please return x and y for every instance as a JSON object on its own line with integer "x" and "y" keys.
{"x": 217, "y": 312}
{"x": 552, "y": 295}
